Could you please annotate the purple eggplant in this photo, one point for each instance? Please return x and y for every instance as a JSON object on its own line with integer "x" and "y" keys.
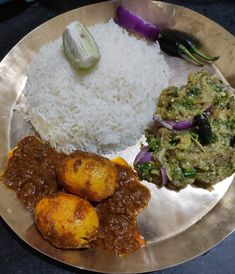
{"x": 183, "y": 44}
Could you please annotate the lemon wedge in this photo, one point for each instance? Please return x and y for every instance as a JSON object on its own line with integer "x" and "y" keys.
{"x": 80, "y": 47}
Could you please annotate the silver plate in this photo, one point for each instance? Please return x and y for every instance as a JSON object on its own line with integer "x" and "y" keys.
{"x": 177, "y": 226}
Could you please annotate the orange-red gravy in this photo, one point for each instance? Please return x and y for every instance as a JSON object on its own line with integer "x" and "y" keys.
{"x": 32, "y": 173}
{"x": 118, "y": 229}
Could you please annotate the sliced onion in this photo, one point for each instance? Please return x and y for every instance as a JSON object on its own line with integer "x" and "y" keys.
{"x": 172, "y": 124}
{"x": 164, "y": 176}
{"x": 208, "y": 109}
{"x": 132, "y": 22}
{"x": 158, "y": 119}
{"x": 181, "y": 125}
{"x": 143, "y": 156}
{"x": 146, "y": 158}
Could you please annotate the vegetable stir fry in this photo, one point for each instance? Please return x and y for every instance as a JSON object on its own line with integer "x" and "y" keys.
{"x": 201, "y": 153}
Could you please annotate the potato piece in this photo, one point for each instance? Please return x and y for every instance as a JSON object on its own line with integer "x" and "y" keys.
{"x": 88, "y": 175}
{"x": 66, "y": 221}
{"x": 120, "y": 161}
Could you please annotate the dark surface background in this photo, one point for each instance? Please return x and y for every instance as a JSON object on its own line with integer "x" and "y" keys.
{"x": 16, "y": 20}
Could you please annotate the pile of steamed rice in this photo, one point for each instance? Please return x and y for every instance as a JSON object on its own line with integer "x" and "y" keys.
{"x": 102, "y": 110}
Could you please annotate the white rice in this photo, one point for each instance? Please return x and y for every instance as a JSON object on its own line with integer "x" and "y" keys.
{"x": 105, "y": 109}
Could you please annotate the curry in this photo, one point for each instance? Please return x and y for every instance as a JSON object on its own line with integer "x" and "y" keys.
{"x": 119, "y": 232}
{"x": 32, "y": 171}
{"x": 70, "y": 217}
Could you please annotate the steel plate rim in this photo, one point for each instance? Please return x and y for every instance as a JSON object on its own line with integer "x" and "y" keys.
{"x": 92, "y": 269}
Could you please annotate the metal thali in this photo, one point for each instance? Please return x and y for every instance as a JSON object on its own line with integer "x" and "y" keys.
{"x": 175, "y": 231}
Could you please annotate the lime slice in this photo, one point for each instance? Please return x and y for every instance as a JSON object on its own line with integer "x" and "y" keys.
{"x": 79, "y": 46}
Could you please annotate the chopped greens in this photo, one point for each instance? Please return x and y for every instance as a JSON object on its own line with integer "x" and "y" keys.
{"x": 195, "y": 91}
{"x": 144, "y": 170}
{"x": 190, "y": 173}
{"x": 154, "y": 143}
